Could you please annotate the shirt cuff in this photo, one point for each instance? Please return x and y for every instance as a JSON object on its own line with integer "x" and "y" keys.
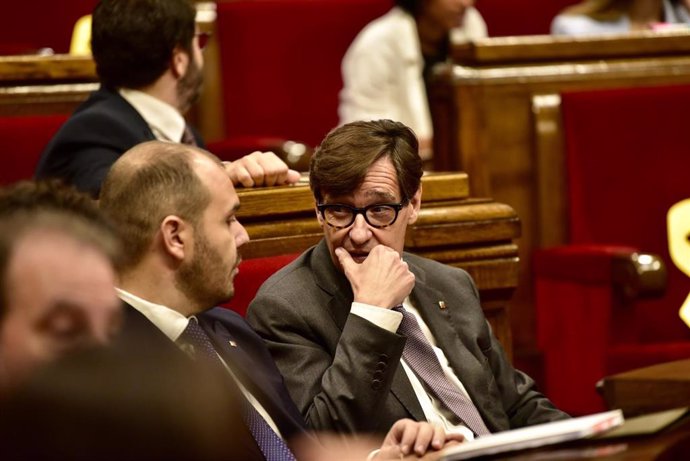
{"x": 387, "y": 319}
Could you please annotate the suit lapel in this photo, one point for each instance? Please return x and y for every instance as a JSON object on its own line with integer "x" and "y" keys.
{"x": 449, "y": 331}
{"x": 138, "y": 331}
{"x": 253, "y": 377}
{"x": 333, "y": 283}
{"x": 336, "y": 285}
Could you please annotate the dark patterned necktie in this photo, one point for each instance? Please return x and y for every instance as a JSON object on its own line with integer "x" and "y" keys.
{"x": 188, "y": 137}
{"x": 271, "y": 445}
{"x": 420, "y": 356}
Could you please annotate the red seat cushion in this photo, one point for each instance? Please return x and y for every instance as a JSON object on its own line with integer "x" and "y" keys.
{"x": 253, "y": 273}
{"x": 520, "y": 17}
{"x": 25, "y": 27}
{"x": 22, "y": 139}
{"x": 280, "y": 63}
{"x": 625, "y": 154}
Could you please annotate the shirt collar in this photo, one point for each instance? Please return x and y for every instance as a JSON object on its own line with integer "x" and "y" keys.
{"x": 165, "y": 121}
{"x": 169, "y": 321}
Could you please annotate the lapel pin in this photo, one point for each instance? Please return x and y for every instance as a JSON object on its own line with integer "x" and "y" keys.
{"x": 232, "y": 343}
{"x": 442, "y": 304}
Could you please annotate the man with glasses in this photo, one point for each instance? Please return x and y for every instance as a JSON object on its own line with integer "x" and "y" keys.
{"x": 149, "y": 60}
{"x": 365, "y": 334}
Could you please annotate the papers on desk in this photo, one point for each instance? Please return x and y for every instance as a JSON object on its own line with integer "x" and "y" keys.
{"x": 536, "y": 436}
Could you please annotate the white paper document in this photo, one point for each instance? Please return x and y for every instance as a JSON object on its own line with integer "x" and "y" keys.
{"x": 536, "y": 436}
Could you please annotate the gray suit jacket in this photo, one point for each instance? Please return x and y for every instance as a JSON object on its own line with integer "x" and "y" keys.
{"x": 344, "y": 372}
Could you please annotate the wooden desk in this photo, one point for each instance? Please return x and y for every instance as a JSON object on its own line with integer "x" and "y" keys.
{"x": 475, "y": 234}
{"x": 656, "y": 388}
{"x": 482, "y": 108}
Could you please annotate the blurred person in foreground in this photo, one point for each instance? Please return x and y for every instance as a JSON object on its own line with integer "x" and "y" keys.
{"x": 103, "y": 404}
{"x": 375, "y": 333}
{"x": 57, "y": 276}
{"x": 149, "y": 60}
{"x": 386, "y": 70}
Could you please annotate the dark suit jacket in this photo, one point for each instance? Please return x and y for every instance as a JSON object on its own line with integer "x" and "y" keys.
{"x": 101, "y": 129}
{"x": 343, "y": 371}
{"x": 248, "y": 358}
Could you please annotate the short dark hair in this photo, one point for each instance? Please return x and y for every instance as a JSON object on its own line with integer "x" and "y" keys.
{"x": 49, "y": 205}
{"x": 411, "y": 6}
{"x": 132, "y": 41}
{"x": 149, "y": 182}
{"x": 340, "y": 164}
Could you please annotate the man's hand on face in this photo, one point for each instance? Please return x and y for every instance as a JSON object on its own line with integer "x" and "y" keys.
{"x": 260, "y": 169}
{"x": 382, "y": 280}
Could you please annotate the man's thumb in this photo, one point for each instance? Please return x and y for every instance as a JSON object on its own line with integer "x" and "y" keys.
{"x": 344, "y": 257}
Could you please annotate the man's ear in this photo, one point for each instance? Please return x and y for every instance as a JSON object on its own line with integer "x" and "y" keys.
{"x": 415, "y": 204}
{"x": 176, "y": 237}
{"x": 179, "y": 62}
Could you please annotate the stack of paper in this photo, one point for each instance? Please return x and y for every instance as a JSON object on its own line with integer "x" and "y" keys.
{"x": 536, "y": 436}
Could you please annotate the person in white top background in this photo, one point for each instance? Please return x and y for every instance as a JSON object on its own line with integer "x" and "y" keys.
{"x": 386, "y": 67}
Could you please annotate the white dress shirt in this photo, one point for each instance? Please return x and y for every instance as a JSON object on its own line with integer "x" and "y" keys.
{"x": 172, "y": 324}
{"x": 433, "y": 410}
{"x": 382, "y": 71}
{"x": 166, "y": 122}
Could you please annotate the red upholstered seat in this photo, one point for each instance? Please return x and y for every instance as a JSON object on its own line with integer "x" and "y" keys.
{"x": 280, "y": 63}
{"x": 26, "y": 27}
{"x": 22, "y": 139}
{"x": 254, "y": 272}
{"x": 520, "y": 17}
{"x": 627, "y": 162}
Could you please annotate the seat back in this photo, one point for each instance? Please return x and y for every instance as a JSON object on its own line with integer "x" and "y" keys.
{"x": 535, "y": 16}
{"x": 22, "y": 139}
{"x": 26, "y": 27}
{"x": 280, "y": 63}
{"x": 626, "y": 162}
{"x": 253, "y": 273}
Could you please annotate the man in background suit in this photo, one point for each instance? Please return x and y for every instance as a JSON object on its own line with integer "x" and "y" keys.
{"x": 175, "y": 207}
{"x": 148, "y": 56}
{"x": 364, "y": 333}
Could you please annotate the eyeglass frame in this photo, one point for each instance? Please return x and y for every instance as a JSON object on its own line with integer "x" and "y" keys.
{"x": 363, "y": 211}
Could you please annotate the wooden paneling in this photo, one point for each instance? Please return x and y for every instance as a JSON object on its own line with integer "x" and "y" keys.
{"x": 39, "y": 85}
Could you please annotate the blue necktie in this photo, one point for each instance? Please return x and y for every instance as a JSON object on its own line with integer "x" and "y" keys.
{"x": 271, "y": 445}
{"x": 420, "y": 356}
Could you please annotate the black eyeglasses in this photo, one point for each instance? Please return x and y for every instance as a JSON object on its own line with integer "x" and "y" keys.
{"x": 378, "y": 215}
{"x": 202, "y": 39}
